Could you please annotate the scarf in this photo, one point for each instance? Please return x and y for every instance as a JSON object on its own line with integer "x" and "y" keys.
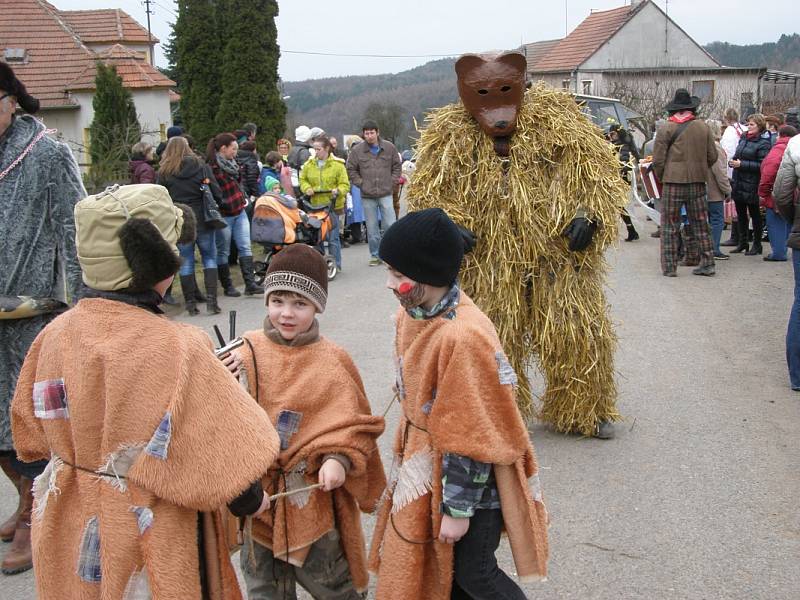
{"x": 682, "y": 117}
{"x": 753, "y": 135}
{"x": 301, "y": 339}
{"x": 148, "y": 300}
{"x": 447, "y": 303}
{"x": 231, "y": 167}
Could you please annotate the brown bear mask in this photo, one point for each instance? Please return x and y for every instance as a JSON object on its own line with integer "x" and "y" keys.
{"x": 491, "y": 88}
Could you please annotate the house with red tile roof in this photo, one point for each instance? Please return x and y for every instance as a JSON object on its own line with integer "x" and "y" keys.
{"x": 55, "y": 54}
{"x": 638, "y": 54}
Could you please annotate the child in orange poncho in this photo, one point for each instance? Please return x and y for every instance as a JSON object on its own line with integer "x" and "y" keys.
{"x": 313, "y": 393}
{"x": 463, "y": 458}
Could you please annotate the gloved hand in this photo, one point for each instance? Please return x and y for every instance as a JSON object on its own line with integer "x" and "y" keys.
{"x": 580, "y": 232}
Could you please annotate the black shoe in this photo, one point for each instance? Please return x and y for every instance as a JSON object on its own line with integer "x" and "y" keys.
{"x": 670, "y": 274}
{"x": 224, "y": 273}
{"x": 740, "y": 248}
{"x": 708, "y": 271}
{"x": 210, "y": 278}
{"x": 187, "y": 285}
{"x": 248, "y": 274}
{"x": 771, "y": 258}
{"x": 721, "y": 256}
{"x": 754, "y": 249}
{"x": 604, "y": 430}
{"x": 729, "y": 243}
{"x": 633, "y": 235}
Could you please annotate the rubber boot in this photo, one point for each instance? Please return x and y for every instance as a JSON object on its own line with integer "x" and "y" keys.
{"x": 224, "y": 273}
{"x": 8, "y": 528}
{"x": 734, "y": 239}
{"x": 198, "y": 295}
{"x": 188, "y": 287}
{"x": 19, "y": 557}
{"x": 754, "y": 249}
{"x": 249, "y": 276}
{"x": 210, "y": 278}
{"x": 168, "y": 299}
{"x": 633, "y": 235}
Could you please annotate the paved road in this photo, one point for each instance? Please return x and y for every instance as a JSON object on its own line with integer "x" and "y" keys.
{"x": 697, "y": 496}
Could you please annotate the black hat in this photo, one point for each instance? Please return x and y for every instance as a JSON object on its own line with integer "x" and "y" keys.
{"x": 426, "y": 246}
{"x": 682, "y": 101}
{"x": 13, "y": 86}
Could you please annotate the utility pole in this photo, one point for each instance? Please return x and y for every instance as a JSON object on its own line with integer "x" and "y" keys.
{"x": 566, "y": 18}
{"x": 149, "y": 34}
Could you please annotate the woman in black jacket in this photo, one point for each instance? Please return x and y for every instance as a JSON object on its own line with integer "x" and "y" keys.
{"x": 183, "y": 173}
{"x": 746, "y": 162}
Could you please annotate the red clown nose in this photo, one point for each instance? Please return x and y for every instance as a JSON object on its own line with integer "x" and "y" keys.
{"x": 405, "y": 288}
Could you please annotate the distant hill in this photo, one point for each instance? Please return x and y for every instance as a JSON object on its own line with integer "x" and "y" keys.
{"x": 783, "y": 55}
{"x": 339, "y": 104}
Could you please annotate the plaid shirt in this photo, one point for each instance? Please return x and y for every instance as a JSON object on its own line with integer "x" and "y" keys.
{"x": 467, "y": 485}
{"x": 232, "y": 197}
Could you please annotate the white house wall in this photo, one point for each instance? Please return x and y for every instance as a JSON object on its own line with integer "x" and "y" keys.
{"x": 641, "y": 43}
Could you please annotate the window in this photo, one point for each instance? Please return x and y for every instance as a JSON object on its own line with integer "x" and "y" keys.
{"x": 565, "y": 83}
{"x": 703, "y": 89}
{"x": 15, "y": 55}
{"x": 587, "y": 86}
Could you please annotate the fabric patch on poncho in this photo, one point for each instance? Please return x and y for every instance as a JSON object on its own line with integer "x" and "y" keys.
{"x": 44, "y": 485}
{"x": 89, "y": 558}
{"x": 144, "y": 518}
{"x": 159, "y": 443}
{"x": 428, "y": 406}
{"x": 504, "y": 369}
{"x": 535, "y": 486}
{"x": 414, "y": 479}
{"x": 115, "y": 469}
{"x": 296, "y": 480}
{"x": 288, "y": 424}
{"x": 138, "y": 587}
{"x": 50, "y": 399}
{"x": 398, "y": 377}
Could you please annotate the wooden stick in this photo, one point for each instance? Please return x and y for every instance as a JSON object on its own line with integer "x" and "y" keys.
{"x": 304, "y": 489}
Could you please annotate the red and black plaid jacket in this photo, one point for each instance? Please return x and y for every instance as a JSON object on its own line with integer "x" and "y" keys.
{"x": 232, "y": 197}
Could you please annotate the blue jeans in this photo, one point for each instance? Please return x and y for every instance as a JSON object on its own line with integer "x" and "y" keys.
{"x": 334, "y": 243}
{"x": 793, "y": 331}
{"x": 716, "y": 217}
{"x": 387, "y": 218}
{"x": 206, "y": 241}
{"x": 778, "y": 230}
{"x": 239, "y": 229}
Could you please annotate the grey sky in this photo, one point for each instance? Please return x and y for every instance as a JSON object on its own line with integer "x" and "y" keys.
{"x": 428, "y": 27}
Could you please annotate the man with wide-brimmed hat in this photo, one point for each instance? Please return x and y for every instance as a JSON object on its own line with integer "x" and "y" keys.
{"x": 39, "y": 186}
{"x": 683, "y": 153}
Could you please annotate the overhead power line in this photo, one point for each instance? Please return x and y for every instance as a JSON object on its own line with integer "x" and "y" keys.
{"x": 371, "y": 55}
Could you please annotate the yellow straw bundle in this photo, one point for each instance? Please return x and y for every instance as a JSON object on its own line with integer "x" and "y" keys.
{"x": 545, "y": 301}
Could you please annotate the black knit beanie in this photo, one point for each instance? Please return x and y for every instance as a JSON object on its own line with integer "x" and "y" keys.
{"x": 13, "y": 86}
{"x": 426, "y": 246}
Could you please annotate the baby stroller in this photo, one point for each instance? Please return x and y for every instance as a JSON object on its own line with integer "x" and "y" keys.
{"x": 278, "y": 222}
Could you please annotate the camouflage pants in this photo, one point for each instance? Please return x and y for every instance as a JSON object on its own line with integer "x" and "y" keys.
{"x": 325, "y": 574}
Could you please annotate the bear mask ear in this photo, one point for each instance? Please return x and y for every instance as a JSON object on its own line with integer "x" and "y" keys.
{"x": 149, "y": 255}
{"x": 515, "y": 60}
{"x": 467, "y": 64}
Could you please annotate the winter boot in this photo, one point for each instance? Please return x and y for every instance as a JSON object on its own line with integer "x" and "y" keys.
{"x": 210, "y": 277}
{"x": 754, "y": 249}
{"x": 19, "y": 557}
{"x": 734, "y": 239}
{"x": 187, "y": 285}
{"x": 249, "y": 276}
{"x": 8, "y": 528}
{"x": 224, "y": 273}
{"x": 633, "y": 235}
{"x": 198, "y": 295}
{"x": 168, "y": 298}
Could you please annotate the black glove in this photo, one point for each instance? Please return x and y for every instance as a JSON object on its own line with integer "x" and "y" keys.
{"x": 580, "y": 232}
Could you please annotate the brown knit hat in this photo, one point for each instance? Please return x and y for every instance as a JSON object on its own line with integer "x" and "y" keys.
{"x": 300, "y": 269}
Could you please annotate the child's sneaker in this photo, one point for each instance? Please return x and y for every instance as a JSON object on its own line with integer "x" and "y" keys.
{"x": 374, "y": 261}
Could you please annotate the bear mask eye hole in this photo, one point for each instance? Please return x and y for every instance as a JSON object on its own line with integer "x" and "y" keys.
{"x": 483, "y": 92}
{"x": 505, "y": 88}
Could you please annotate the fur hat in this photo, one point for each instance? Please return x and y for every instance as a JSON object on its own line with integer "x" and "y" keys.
{"x": 126, "y": 237}
{"x": 300, "y": 269}
{"x": 13, "y": 86}
{"x": 426, "y": 246}
{"x": 302, "y": 134}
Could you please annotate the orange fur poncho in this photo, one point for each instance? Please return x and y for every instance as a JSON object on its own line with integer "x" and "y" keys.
{"x": 144, "y": 428}
{"x": 314, "y": 396}
{"x": 456, "y": 389}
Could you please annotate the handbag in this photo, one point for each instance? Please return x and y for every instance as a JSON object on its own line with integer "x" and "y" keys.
{"x": 729, "y": 211}
{"x": 211, "y": 215}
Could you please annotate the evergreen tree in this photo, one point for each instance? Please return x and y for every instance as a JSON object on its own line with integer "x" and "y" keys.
{"x": 115, "y": 126}
{"x": 250, "y": 90}
{"x": 195, "y": 53}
